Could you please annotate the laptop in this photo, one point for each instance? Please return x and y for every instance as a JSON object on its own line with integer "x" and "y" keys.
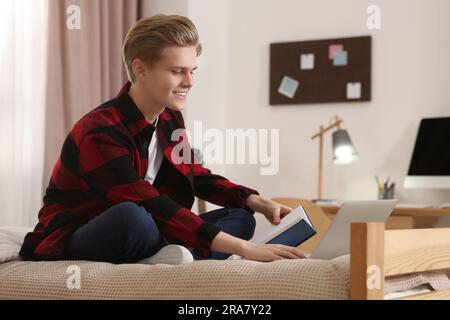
{"x": 336, "y": 241}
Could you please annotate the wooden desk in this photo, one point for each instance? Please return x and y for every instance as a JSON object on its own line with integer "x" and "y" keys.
{"x": 405, "y": 218}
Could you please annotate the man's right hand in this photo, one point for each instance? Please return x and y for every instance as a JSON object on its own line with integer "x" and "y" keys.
{"x": 270, "y": 252}
{"x": 223, "y": 242}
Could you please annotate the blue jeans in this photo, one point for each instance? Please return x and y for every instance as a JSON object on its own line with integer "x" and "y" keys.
{"x": 126, "y": 233}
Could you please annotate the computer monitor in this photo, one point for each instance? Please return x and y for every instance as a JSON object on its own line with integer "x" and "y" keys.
{"x": 430, "y": 161}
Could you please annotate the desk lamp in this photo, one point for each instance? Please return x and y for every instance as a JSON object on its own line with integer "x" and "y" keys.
{"x": 343, "y": 150}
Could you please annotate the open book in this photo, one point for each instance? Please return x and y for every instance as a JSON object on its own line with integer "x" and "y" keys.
{"x": 294, "y": 229}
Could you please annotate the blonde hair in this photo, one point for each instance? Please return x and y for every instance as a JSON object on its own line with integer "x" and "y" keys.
{"x": 149, "y": 36}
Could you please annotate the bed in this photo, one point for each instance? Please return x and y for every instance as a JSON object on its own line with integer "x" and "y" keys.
{"x": 421, "y": 269}
{"x": 379, "y": 257}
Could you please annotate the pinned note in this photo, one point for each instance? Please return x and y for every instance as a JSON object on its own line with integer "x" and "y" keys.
{"x": 333, "y": 49}
{"x": 340, "y": 59}
{"x": 288, "y": 87}
{"x": 307, "y": 61}
{"x": 353, "y": 90}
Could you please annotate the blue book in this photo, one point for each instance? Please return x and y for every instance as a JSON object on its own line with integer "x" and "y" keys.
{"x": 294, "y": 229}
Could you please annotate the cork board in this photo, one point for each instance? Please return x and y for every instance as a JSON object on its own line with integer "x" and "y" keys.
{"x": 331, "y": 70}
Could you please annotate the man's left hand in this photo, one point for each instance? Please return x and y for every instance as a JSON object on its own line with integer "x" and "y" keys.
{"x": 272, "y": 210}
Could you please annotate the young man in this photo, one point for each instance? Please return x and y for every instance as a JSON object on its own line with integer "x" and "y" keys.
{"x": 116, "y": 194}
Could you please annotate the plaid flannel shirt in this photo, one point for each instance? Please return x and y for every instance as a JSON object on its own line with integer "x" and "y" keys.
{"x": 103, "y": 162}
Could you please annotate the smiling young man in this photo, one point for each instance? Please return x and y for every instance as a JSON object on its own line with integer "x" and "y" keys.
{"x": 117, "y": 195}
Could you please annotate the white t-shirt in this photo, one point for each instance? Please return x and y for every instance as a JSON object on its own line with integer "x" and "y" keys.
{"x": 155, "y": 157}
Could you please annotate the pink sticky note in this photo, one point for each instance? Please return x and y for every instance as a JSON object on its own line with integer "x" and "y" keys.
{"x": 333, "y": 49}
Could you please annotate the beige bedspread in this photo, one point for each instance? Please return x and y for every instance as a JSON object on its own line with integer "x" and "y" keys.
{"x": 231, "y": 279}
{"x": 215, "y": 279}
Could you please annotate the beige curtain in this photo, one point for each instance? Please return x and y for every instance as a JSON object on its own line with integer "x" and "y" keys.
{"x": 22, "y": 80}
{"x": 84, "y": 66}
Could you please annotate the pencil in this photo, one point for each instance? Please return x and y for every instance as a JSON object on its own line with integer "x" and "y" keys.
{"x": 380, "y": 184}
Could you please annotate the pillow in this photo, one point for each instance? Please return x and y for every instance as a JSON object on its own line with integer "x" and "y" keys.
{"x": 11, "y": 239}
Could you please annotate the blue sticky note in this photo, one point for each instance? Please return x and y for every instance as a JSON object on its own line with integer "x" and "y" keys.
{"x": 288, "y": 87}
{"x": 340, "y": 58}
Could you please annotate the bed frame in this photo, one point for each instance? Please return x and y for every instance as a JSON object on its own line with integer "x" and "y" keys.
{"x": 376, "y": 253}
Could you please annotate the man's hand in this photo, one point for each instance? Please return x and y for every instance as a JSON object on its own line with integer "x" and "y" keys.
{"x": 270, "y": 252}
{"x": 272, "y": 210}
{"x": 224, "y": 242}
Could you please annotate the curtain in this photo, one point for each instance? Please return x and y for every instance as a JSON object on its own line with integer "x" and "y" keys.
{"x": 21, "y": 111}
{"x": 85, "y": 65}
{"x": 51, "y": 76}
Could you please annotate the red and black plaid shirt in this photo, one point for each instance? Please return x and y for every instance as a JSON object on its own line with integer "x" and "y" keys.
{"x": 103, "y": 162}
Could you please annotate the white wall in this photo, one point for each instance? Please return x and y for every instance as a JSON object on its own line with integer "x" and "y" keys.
{"x": 166, "y": 7}
{"x": 410, "y": 78}
{"x": 207, "y": 101}
{"x": 410, "y": 75}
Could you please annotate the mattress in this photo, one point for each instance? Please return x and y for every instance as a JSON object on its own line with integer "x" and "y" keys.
{"x": 198, "y": 280}
{"x": 215, "y": 279}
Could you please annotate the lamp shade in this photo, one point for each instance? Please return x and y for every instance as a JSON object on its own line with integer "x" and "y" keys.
{"x": 343, "y": 150}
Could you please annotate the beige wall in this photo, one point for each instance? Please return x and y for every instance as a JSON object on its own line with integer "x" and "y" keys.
{"x": 410, "y": 79}
{"x": 167, "y": 7}
{"x": 207, "y": 101}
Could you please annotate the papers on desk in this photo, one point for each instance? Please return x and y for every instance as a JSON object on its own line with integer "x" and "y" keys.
{"x": 337, "y": 203}
{"x": 413, "y": 205}
{"x": 327, "y": 202}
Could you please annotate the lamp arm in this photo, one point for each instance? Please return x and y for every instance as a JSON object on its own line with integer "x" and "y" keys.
{"x": 336, "y": 123}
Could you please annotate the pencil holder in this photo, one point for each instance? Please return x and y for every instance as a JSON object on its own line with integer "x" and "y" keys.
{"x": 388, "y": 193}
